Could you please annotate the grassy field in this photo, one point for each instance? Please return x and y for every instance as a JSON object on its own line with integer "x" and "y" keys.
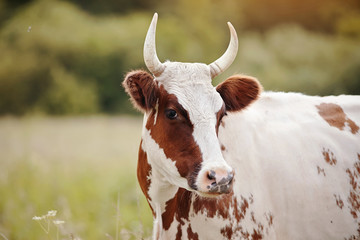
{"x": 83, "y": 167}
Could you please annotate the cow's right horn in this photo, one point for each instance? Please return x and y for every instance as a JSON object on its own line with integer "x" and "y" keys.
{"x": 151, "y": 59}
{"x": 228, "y": 57}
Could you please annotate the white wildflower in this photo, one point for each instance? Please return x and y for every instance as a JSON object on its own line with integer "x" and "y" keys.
{"x": 51, "y": 213}
{"x": 58, "y": 222}
{"x": 36, "y": 218}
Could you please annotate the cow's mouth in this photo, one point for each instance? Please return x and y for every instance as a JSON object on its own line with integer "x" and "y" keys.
{"x": 221, "y": 189}
{"x": 213, "y": 194}
{"x": 216, "y": 191}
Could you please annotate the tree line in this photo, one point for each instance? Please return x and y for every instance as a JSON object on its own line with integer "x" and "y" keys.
{"x": 69, "y": 57}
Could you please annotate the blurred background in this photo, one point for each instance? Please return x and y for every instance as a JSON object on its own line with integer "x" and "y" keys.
{"x": 68, "y": 134}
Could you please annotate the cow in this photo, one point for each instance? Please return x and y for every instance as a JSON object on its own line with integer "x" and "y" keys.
{"x": 236, "y": 162}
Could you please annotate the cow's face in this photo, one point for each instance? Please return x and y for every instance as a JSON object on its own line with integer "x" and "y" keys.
{"x": 183, "y": 112}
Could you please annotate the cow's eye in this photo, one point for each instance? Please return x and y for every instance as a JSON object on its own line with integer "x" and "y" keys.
{"x": 171, "y": 114}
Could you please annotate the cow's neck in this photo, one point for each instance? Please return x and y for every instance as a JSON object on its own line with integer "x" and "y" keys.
{"x": 155, "y": 187}
{"x": 162, "y": 196}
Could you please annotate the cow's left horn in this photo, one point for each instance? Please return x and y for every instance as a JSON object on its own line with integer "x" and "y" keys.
{"x": 221, "y": 64}
{"x": 151, "y": 59}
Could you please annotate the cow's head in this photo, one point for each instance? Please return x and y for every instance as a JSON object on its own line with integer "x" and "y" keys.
{"x": 183, "y": 112}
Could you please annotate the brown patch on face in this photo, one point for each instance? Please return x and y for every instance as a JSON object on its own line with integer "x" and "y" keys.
{"x": 334, "y": 115}
{"x": 321, "y": 171}
{"x": 329, "y": 157}
{"x": 175, "y": 137}
{"x": 191, "y": 234}
{"x": 339, "y": 201}
{"x": 239, "y": 91}
{"x": 143, "y": 173}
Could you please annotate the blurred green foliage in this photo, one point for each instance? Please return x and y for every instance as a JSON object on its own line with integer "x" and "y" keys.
{"x": 69, "y": 57}
{"x": 289, "y": 58}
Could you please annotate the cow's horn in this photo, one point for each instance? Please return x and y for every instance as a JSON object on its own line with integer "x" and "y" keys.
{"x": 151, "y": 59}
{"x": 221, "y": 64}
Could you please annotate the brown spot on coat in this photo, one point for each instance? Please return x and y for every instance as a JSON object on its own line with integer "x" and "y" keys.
{"x": 329, "y": 157}
{"x": 234, "y": 228}
{"x": 339, "y": 201}
{"x": 354, "y": 195}
{"x": 352, "y": 175}
{"x": 257, "y": 235}
{"x": 253, "y": 217}
{"x": 143, "y": 174}
{"x": 335, "y": 116}
{"x": 227, "y": 232}
{"x": 251, "y": 199}
{"x": 244, "y": 206}
{"x": 213, "y": 206}
{"x": 179, "y": 233}
{"x": 321, "y": 171}
{"x": 177, "y": 208}
{"x": 269, "y": 218}
{"x": 191, "y": 234}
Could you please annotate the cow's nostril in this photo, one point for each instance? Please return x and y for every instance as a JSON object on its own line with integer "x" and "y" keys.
{"x": 231, "y": 177}
{"x": 231, "y": 180}
{"x": 211, "y": 175}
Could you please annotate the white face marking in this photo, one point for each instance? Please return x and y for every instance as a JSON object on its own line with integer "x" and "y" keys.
{"x": 191, "y": 84}
{"x": 156, "y": 111}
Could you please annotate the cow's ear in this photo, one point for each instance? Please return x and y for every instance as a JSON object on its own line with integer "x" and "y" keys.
{"x": 142, "y": 88}
{"x": 239, "y": 91}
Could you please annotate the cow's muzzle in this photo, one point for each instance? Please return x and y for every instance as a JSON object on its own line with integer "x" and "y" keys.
{"x": 217, "y": 181}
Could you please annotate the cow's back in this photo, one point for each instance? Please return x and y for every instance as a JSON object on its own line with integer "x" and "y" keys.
{"x": 297, "y": 161}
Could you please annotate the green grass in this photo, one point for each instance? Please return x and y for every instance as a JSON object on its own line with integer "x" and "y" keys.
{"x": 85, "y": 168}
